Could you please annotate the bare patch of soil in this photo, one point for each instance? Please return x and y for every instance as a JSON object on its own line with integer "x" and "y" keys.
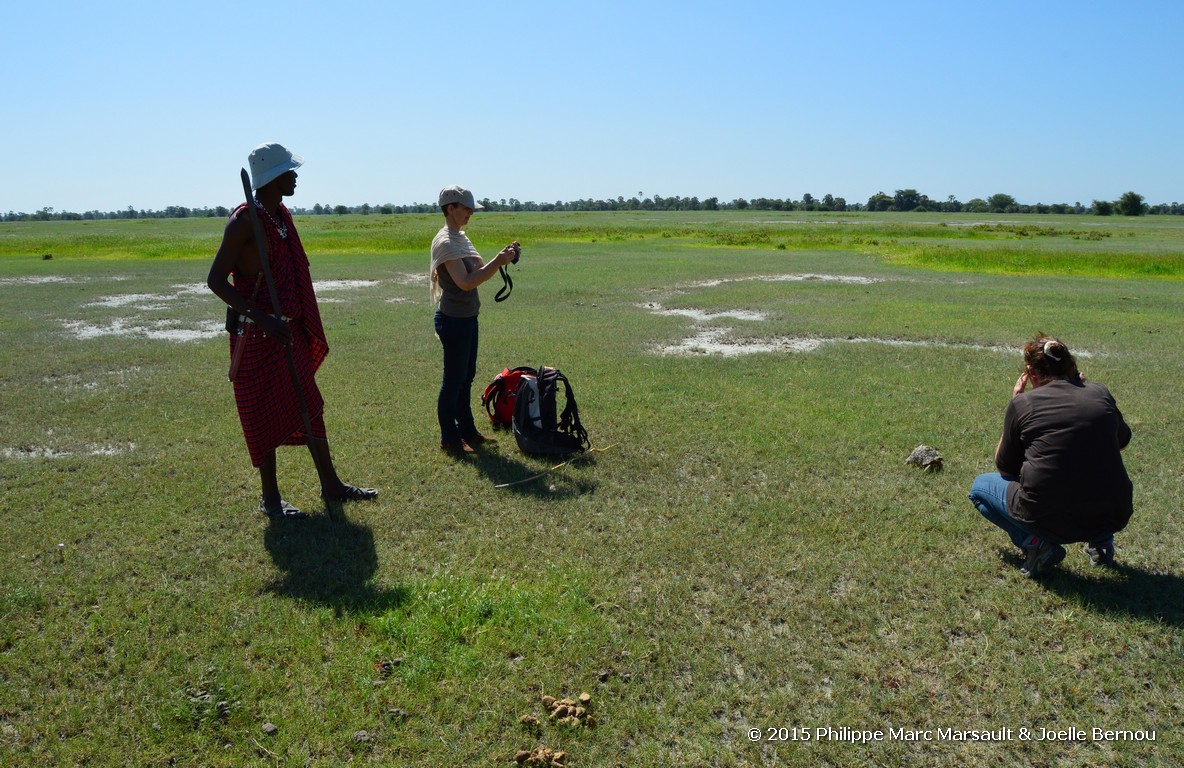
{"x": 43, "y": 452}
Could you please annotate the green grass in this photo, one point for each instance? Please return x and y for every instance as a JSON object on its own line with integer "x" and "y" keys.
{"x": 748, "y": 550}
{"x": 1147, "y": 247}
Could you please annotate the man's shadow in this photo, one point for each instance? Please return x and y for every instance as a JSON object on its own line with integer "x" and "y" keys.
{"x": 328, "y": 562}
{"x": 1124, "y": 590}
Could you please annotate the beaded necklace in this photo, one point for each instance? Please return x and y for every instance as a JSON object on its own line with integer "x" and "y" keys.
{"x": 281, "y": 228}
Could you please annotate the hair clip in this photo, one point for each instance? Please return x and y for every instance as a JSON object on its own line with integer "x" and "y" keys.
{"x": 1047, "y": 353}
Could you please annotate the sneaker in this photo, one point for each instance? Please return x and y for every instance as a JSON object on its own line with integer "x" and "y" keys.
{"x": 1040, "y": 558}
{"x": 1100, "y": 554}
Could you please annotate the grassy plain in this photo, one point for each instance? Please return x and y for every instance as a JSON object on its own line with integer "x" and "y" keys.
{"x": 748, "y": 550}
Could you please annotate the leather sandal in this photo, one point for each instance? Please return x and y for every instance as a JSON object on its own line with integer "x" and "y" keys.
{"x": 353, "y": 493}
{"x": 284, "y": 511}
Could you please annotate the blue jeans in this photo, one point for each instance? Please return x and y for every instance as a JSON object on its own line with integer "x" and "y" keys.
{"x": 989, "y": 496}
{"x": 458, "y": 336}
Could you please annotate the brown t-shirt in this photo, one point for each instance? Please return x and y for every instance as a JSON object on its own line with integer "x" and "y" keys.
{"x": 447, "y": 246}
{"x": 1064, "y": 441}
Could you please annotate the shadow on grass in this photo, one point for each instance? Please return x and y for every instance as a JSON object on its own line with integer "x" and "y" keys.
{"x": 502, "y": 466}
{"x": 1124, "y": 590}
{"x": 329, "y": 562}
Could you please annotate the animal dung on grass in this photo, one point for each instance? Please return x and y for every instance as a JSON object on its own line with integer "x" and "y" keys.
{"x": 575, "y": 712}
{"x": 541, "y": 757}
{"x": 926, "y": 457}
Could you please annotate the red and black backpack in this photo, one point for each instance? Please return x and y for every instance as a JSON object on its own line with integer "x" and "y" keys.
{"x": 540, "y": 426}
{"x": 501, "y": 393}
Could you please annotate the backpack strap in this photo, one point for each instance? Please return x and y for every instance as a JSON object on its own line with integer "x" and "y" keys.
{"x": 569, "y": 420}
{"x": 493, "y": 390}
{"x": 503, "y": 389}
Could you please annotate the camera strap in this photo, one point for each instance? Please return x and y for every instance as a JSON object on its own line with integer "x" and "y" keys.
{"x": 504, "y": 292}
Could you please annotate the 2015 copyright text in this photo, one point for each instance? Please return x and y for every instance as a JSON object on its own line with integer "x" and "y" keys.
{"x": 869, "y": 736}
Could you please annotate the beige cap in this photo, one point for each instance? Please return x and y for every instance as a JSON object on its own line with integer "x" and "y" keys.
{"x": 456, "y": 194}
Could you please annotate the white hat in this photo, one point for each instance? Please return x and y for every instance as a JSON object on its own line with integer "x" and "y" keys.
{"x": 270, "y": 161}
{"x": 455, "y": 194}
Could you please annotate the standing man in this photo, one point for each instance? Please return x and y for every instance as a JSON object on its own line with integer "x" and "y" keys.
{"x": 264, "y": 390}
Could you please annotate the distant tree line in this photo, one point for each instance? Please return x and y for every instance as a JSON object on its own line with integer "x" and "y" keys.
{"x": 171, "y": 212}
{"x": 1130, "y": 204}
{"x": 903, "y": 200}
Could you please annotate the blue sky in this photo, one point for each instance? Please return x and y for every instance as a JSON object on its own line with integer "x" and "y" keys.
{"x": 152, "y": 104}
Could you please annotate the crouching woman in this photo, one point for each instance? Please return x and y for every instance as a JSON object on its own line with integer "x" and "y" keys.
{"x": 1061, "y": 478}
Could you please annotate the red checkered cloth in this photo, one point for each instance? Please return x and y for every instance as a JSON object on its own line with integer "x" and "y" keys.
{"x": 263, "y": 390}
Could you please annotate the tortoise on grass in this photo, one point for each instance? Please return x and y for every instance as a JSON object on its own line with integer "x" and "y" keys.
{"x": 926, "y": 457}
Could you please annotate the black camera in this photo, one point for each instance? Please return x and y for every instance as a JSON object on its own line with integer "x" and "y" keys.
{"x": 517, "y": 251}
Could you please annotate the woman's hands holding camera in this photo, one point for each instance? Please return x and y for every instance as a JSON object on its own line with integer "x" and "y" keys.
{"x": 509, "y": 254}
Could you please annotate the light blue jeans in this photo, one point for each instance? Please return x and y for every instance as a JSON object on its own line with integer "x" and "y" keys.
{"x": 989, "y": 496}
